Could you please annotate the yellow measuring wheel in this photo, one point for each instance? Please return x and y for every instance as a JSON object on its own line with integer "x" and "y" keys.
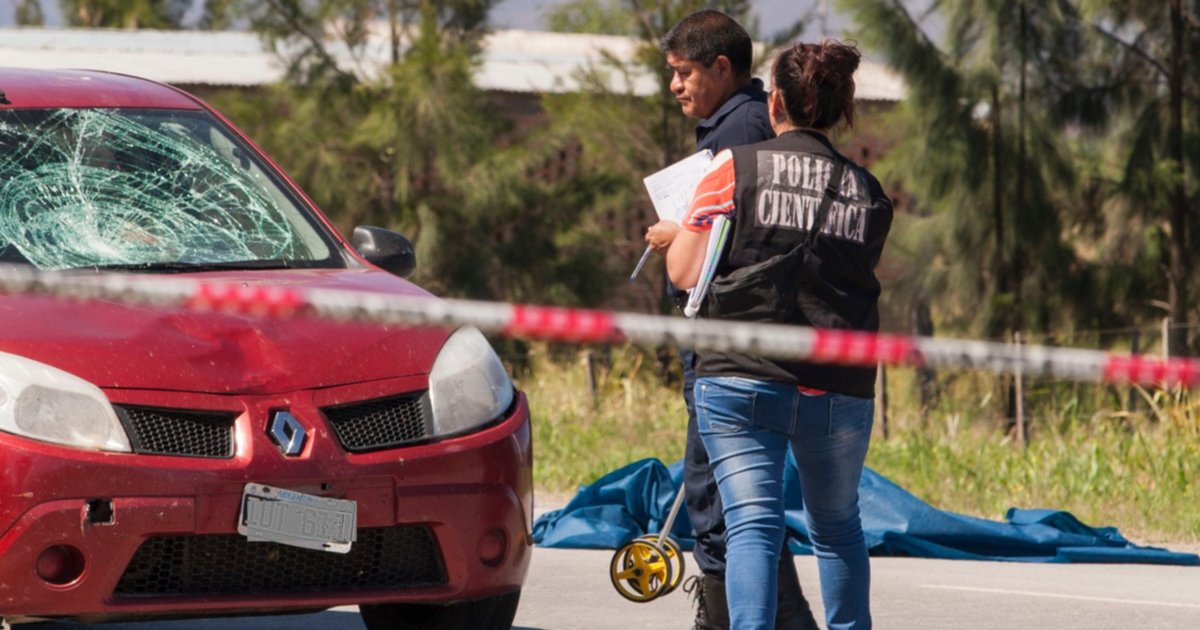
{"x": 640, "y": 571}
{"x": 672, "y": 556}
{"x": 650, "y": 566}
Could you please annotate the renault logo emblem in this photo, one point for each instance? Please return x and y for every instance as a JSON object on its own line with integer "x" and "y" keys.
{"x": 287, "y": 433}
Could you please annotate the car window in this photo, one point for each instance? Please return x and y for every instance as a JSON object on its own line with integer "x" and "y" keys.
{"x": 129, "y": 187}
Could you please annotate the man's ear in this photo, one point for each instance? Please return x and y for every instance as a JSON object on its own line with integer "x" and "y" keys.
{"x": 723, "y": 65}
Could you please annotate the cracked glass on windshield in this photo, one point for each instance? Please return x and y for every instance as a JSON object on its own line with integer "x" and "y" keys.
{"x": 144, "y": 188}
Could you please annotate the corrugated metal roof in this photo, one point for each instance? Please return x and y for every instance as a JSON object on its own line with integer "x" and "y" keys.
{"x": 513, "y": 61}
{"x": 184, "y": 57}
{"x": 534, "y": 61}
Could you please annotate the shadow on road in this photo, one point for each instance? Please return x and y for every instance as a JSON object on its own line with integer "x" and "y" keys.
{"x": 340, "y": 618}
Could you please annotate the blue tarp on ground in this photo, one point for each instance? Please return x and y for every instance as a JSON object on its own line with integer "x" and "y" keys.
{"x": 636, "y": 499}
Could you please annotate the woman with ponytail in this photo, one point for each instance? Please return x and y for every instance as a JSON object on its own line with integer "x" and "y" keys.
{"x": 808, "y": 228}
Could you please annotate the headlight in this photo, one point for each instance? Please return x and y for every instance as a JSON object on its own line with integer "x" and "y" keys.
{"x": 45, "y": 403}
{"x": 468, "y": 386}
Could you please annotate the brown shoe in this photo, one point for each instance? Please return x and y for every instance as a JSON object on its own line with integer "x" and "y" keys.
{"x": 708, "y": 593}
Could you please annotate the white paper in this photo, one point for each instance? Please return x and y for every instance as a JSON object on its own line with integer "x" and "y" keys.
{"x": 712, "y": 254}
{"x": 672, "y": 188}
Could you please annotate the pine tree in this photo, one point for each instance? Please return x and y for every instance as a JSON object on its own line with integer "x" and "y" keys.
{"x": 133, "y": 14}
{"x": 406, "y": 140}
{"x": 988, "y": 151}
{"x": 1148, "y": 98}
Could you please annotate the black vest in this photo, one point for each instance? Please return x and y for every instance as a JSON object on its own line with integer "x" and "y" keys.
{"x": 778, "y": 187}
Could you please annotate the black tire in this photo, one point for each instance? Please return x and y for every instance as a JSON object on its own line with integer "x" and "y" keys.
{"x": 489, "y": 613}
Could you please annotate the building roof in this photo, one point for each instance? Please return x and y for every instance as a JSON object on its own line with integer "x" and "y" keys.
{"x": 513, "y": 60}
{"x": 182, "y": 57}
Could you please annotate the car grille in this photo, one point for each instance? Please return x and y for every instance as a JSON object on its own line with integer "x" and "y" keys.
{"x": 219, "y": 564}
{"x": 154, "y": 431}
{"x": 382, "y": 423}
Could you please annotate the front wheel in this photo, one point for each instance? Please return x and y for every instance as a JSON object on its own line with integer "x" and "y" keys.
{"x": 489, "y": 613}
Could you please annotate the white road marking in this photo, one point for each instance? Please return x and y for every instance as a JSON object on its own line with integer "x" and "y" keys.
{"x": 1110, "y": 600}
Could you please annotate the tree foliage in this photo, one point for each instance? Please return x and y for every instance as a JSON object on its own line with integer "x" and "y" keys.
{"x": 403, "y": 138}
{"x": 381, "y": 121}
{"x": 1037, "y": 138}
{"x": 129, "y": 14}
{"x": 590, "y": 16}
{"x": 29, "y": 13}
{"x": 1050, "y": 147}
{"x": 1150, "y": 95}
{"x": 160, "y": 14}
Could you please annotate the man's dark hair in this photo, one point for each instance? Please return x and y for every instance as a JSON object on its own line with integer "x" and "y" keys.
{"x": 705, "y": 35}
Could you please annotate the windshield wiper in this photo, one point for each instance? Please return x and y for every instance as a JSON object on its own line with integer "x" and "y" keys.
{"x": 186, "y": 267}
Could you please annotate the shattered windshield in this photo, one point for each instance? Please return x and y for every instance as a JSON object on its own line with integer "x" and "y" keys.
{"x": 143, "y": 188}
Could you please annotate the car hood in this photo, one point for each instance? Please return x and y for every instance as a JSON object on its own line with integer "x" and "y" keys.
{"x": 126, "y": 346}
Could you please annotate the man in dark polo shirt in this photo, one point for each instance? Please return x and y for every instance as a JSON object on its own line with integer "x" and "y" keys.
{"x": 710, "y": 56}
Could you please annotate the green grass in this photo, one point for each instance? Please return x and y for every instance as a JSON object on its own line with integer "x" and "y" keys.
{"x": 579, "y": 436}
{"x": 1086, "y": 455}
{"x": 1135, "y": 470}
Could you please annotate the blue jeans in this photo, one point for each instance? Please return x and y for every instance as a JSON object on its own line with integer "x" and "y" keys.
{"x": 746, "y": 426}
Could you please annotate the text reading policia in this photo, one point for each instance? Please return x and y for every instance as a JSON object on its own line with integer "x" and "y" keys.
{"x": 791, "y": 188}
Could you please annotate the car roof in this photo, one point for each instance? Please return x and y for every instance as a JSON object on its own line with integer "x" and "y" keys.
{"x": 30, "y": 88}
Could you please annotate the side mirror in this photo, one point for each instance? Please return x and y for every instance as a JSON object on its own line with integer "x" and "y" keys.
{"x": 388, "y": 250}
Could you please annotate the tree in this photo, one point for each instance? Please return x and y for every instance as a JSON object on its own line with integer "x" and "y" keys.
{"x": 1006, "y": 86}
{"x": 29, "y": 13}
{"x": 590, "y": 16}
{"x": 161, "y": 14}
{"x": 404, "y": 139}
{"x": 128, "y": 14}
{"x": 1154, "y": 49}
{"x": 1082, "y": 106}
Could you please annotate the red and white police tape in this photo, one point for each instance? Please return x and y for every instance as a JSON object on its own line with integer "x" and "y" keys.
{"x": 591, "y": 326}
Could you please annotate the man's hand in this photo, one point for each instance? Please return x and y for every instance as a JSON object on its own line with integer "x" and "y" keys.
{"x": 660, "y": 235}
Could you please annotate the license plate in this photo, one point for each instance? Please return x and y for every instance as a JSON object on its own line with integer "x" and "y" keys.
{"x": 294, "y": 518}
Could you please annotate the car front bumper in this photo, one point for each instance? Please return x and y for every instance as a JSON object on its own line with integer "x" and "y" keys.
{"x": 170, "y": 545}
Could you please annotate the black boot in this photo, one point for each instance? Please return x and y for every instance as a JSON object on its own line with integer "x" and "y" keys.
{"x": 712, "y": 610}
{"x": 792, "y": 611}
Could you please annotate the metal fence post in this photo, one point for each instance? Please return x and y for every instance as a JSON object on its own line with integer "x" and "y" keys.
{"x": 1166, "y": 337}
{"x": 1134, "y": 345}
{"x": 1022, "y": 436}
{"x": 882, "y": 397}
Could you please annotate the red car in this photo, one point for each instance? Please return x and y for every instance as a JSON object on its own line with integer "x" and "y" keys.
{"x": 165, "y": 462}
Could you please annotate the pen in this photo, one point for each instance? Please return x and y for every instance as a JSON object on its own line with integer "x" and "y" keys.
{"x": 641, "y": 263}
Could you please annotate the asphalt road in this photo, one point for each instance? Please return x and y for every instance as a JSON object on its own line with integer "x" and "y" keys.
{"x": 570, "y": 590}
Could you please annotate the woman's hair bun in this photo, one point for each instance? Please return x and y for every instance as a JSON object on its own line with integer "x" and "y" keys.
{"x": 817, "y": 82}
